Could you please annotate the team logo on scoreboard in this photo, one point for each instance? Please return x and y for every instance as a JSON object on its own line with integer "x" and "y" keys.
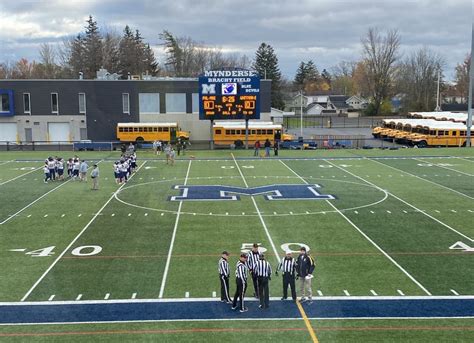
{"x": 229, "y": 88}
{"x": 270, "y": 192}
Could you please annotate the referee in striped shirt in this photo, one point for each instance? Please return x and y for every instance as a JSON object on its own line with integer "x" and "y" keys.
{"x": 264, "y": 274}
{"x": 224, "y": 273}
{"x": 241, "y": 281}
{"x": 253, "y": 258}
{"x": 288, "y": 266}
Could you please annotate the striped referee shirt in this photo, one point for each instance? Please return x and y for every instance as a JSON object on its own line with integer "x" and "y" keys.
{"x": 241, "y": 271}
{"x": 287, "y": 265}
{"x": 253, "y": 258}
{"x": 263, "y": 268}
{"x": 224, "y": 267}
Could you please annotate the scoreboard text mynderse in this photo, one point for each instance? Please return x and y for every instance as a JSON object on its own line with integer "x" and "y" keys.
{"x": 229, "y": 94}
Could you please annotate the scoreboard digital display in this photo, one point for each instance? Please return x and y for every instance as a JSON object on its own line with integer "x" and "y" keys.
{"x": 229, "y": 94}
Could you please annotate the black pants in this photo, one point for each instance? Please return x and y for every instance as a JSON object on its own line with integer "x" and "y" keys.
{"x": 224, "y": 288}
{"x": 263, "y": 294}
{"x": 239, "y": 293}
{"x": 289, "y": 279}
{"x": 255, "y": 283}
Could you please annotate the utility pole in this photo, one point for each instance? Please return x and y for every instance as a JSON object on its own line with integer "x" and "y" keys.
{"x": 301, "y": 113}
{"x": 438, "y": 107}
{"x": 469, "y": 106}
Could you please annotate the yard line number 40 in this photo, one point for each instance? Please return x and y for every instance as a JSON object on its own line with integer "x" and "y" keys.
{"x": 85, "y": 250}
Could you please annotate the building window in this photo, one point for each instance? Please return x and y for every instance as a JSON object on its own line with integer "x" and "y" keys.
{"x": 175, "y": 103}
{"x": 149, "y": 103}
{"x": 195, "y": 104}
{"x": 54, "y": 103}
{"x": 82, "y": 103}
{"x": 4, "y": 103}
{"x": 125, "y": 103}
{"x": 27, "y": 103}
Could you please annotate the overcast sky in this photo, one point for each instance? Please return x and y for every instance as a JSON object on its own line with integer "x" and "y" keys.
{"x": 326, "y": 31}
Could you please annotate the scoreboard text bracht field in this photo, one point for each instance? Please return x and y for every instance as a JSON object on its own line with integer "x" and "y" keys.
{"x": 229, "y": 94}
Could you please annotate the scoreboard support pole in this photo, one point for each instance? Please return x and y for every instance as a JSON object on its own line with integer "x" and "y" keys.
{"x": 212, "y": 135}
{"x": 246, "y": 134}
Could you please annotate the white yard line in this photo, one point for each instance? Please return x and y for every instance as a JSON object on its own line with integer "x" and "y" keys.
{"x": 173, "y": 237}
{"x": 365, "y": 236}
{"x": 76, "y": 238}
{"x": 426, "y": 180}
{"x": 405, "y": 202}
{"x": 447, "y": 168}
{"x": 275, "y": 251}
{"x": 38, "y": 199}
{"x": 5, "y": 162}
{"x": 17, "y": 177}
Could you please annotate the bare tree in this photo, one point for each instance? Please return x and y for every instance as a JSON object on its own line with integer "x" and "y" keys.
{"x": 462, "y": 77}
{"x": 380, "y": 54}
{"x": 416, "y": 79}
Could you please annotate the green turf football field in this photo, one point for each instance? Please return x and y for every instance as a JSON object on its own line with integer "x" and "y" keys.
{"x": 401, "y": 224}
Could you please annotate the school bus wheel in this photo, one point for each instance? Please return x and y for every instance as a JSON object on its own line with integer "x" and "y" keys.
{"x": 422, "y": 144}
{"x": 139, "y": 140}
{"x": 238, "y": 143}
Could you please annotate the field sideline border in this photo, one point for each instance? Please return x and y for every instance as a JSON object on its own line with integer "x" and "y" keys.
{"x": 158, "y": 310}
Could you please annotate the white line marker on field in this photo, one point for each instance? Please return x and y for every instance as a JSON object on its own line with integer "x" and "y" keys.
{"x": 51, "y": 297}
{"x": 454, "y": 211}
{"x": 372, "y": 212}
{"x": 45, "y": 216}
{"x": 173, "y": 237}
{"x": 437, "y": 211}
{"x": 259, "y": 213}
{"x": 356, "y": 212}
{"x": 129, "y": 214}
{"x": 113, "y": 214}
{"x": 107, "y": 296}
{"x": 214, "y": 294}
{"x": 454, "y": 292}
{"x": 28, "y": 216}
{"x": 404, "y": 211}
{"x": 346, "y": 293}
{"x": 319, "y": 293}
{"x": 80, "y": 215}
{"x": 471, "y": 211}
{"x": 407, "y": 203}
{"x": 31, "y": 171}
{"x": 75, "y": 239}
{"x": 146, "y": 214}
{"x": 134, "y": 295}
{"x": 362, "y": 232}
{"x": 307, "y": 212}
{"x": 162, "y": 214}
{"x": 389, "y": 212}
{"x": 373, "y": 292}
{"x": 63, "y": 215}
{"x": 186, "y": 295}
{"x": 79, "y": 297}
{"x": 400, "y": 292}
{"x": 274, "y": 213}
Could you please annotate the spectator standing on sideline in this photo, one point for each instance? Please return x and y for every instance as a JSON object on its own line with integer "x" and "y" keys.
{"x": 264, "y": 274}
{"x": 256, "y": 148}
{"x": 172, "y": 155}
{"x": 241, "y": 282}
{"x": 224, "y": 273}
{"x": 83, "y": 171}
{"x": 155, "y": 147}
{"x": 304, "y": 269}
{"x": 178, "y": 146}
{"x": 95, "y": 177}
{"x": 167, "y": 152}
{"x": 288, "y": 267}
{"x": 267, "y": 145}
{"x": 276, "y": 147}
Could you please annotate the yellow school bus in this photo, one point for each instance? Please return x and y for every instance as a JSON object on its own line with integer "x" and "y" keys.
{"x": 458, "y": 117}
{"x": 149, "y": 132}
{"x": 229, "y": 132}
{"x": 440, "y": 134}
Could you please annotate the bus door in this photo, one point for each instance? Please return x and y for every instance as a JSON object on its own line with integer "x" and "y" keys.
{"x": 173, "y": 131}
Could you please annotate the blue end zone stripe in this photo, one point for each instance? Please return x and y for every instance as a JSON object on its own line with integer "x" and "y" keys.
{"x": 202, "y": 310}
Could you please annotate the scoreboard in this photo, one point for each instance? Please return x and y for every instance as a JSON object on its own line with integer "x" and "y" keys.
{"x": 229, "y": 94}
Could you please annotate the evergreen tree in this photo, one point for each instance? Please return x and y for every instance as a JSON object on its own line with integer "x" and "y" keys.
{"x": 127, "y": 53}
{"x": 311, "y": 72}
{"x": 77, "y": 55}
{"x": 300, "y": 76}
{"x": 110, "y": 52}
{"x": 151, "y": 64}
{"x": 326, "y": 77}
{"x": 92, "y": 49}
{"x": 266, "y": 64}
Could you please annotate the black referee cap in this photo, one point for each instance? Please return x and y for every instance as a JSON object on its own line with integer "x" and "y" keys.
{"x": 243, "y": 255}
{"x": 225, "y": 252}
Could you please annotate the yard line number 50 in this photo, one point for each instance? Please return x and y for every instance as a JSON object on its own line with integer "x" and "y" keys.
{"x": 85, "y": 250}
{"x": 247, "y": 247}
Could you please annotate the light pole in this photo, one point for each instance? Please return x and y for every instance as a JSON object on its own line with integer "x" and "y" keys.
{"x": 469, "y": 105}
{"x": 301, "y": 114}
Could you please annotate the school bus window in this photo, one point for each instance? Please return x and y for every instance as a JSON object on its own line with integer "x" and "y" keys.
{"x": 454, "y": 133}
{"x": 269, "y": 132}
{"x": 433, "y": 132}
{"x": 227, "y": 132}
{"x": 218, "y": 132}
{"x": 253, "y": 132}
{"x": 462, "y": 133}
{"x": 135, "y": 129}
{"x": 166, "y": 129}
{"x": 120, "y": 129}
{"x": 440, "y": 133}
{"x": 232, "y": 132}
{"x": 237, "y": 132}
{"x": 259, "y": 132}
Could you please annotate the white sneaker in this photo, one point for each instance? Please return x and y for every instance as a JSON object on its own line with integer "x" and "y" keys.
{"x": 244, "y": 310}
{"x": 303, "y": 299}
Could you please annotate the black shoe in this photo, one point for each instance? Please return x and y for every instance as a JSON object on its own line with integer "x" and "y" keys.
{"x": 260, "y": 306}
{"x": 234, "y": 308}
{"x": 283, "y": 298}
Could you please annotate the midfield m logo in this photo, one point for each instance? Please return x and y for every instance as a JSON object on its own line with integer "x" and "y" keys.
{"x": 272, "y": 192}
